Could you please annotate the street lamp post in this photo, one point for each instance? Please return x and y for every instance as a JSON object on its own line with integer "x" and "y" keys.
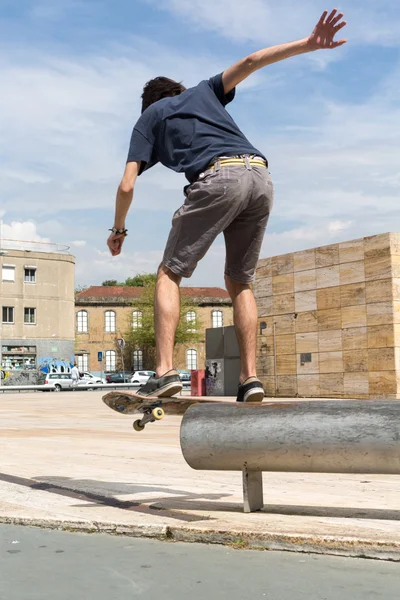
{"x": 2, "y": 253}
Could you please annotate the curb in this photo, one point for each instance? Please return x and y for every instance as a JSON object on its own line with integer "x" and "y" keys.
{"x": 323, "y": 545}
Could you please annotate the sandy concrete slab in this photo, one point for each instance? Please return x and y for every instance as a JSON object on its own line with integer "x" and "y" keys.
{"x": 67, "y": 461}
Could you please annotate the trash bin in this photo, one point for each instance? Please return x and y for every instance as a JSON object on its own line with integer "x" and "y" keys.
{"x": 198, "y": 383}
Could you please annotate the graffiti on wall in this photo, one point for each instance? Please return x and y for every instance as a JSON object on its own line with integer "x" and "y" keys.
{"x": 214, "y": 378}
{"x": 49, "y": 364}
{"x": 4, "y": 375}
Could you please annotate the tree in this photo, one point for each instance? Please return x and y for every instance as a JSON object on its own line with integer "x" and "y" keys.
{"x": 110, "y": 283}
{"x": 142, "y": 280}
{"x": 141, "y": 334}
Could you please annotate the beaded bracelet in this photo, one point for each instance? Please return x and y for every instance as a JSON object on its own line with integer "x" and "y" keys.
{"x": 119, "y": 231}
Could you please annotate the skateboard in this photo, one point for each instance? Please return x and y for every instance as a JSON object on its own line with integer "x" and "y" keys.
{"x": 152, "y": 408}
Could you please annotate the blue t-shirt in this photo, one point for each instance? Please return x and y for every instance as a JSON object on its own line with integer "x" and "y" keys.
{"x": 186, "y": 132}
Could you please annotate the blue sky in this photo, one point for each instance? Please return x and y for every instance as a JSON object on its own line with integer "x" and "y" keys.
{"x": 71, "y": 77}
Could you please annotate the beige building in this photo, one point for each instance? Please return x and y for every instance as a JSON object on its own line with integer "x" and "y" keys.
{"x": 329, "y": 320}
{"x": 37, "y": 306}
{"x": 106, "y": 314}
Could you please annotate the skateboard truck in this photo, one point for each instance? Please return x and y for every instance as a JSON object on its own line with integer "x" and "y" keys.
{"x": 149, "y": 416}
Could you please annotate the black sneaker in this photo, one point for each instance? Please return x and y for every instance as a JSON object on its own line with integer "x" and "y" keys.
{"x": 163, "y": 387}
{"x": 250, "y": 391}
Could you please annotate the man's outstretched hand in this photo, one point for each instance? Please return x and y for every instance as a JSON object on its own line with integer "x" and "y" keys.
{"x": 327, "y": 27}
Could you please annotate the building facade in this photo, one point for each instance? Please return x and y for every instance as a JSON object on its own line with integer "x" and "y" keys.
{"x": 37, "y": 306}
{"x": 105, "y": 314}
{"x": 329, "y": 320}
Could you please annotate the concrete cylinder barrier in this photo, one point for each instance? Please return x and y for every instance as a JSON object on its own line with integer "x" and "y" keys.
{"x": 304, "y": 436}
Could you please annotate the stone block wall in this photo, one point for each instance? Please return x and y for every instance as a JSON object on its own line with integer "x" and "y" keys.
{"x": 329, "y": 320}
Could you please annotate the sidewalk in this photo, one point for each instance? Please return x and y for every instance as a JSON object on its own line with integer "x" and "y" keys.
{"x": 66, "y": 461}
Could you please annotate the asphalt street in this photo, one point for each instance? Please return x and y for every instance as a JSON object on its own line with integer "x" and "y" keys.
{"x": 52, "y": 565}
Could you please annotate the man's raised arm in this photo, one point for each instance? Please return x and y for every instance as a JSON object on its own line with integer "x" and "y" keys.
{"x": 321, "y": 38}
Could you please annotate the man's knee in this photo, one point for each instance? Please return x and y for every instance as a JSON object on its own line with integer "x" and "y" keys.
{"x": 235, "y": 287}
{"x": 164, "y": 271}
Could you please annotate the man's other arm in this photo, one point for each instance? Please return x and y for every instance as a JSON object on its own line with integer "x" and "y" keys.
{"x": 122, "y": 205}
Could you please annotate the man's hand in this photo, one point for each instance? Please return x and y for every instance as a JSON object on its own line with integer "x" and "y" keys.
{"x": 325, "y": 30}
{"x": 115, "y": 242}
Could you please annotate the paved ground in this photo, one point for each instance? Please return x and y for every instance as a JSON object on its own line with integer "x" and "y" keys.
{"x": 43, "y": 565}
{"x": 66, "y": 461}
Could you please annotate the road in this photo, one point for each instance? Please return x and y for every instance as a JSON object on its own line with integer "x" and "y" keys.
{"x": 47, "y": 565}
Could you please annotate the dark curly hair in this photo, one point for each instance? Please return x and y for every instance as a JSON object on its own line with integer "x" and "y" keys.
{"x": 160, "y": 87}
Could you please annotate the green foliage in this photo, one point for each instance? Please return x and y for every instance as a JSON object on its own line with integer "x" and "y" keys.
{"x": 110, "y": 283}
{"x": 142, "y": 280}
{"x": 144, "y": 337}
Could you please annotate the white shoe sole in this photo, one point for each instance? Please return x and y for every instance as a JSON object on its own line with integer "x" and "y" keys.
{"x": 254, "y": 395}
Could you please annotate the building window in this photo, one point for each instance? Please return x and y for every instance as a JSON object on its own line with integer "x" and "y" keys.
{"x": 8, "y": 314}
{"x": 30, "y": 316}
{"x": 191, "y": 359}
{"x": 110, "y": 321}
{"x": 83, "y": 362}
{"x": 137, "y": 320}
{"x": 111, "y": 359}
{"x": 82, "y": 321}
{"x": 217, "y": 318}
{"x": 137, "y": 360}
{"x": 8, "y": 273}
{"x": 30, "y": 275}
{"x": 191, "y": 318}
{"x": 305, "y": 358}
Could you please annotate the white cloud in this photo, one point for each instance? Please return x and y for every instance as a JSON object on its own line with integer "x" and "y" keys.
{"x": 22, "y": 235}
{"x": 79, "y": 243}
{"x": 267, "y": 22}
{"x": 337, "y": 226}
{"x": 103, "y": 266}
{"x": 320, "y": 233}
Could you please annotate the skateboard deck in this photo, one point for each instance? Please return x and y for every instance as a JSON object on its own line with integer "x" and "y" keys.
{"x": 152, "y": 408}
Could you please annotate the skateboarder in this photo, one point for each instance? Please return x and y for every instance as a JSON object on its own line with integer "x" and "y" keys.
{"x": 229, "y": 190}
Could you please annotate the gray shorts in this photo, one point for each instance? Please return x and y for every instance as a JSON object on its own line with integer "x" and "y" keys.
{"x": 235, "y": 200}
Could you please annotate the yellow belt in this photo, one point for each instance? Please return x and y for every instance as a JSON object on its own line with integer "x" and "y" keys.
{"x": 226, "y": 162}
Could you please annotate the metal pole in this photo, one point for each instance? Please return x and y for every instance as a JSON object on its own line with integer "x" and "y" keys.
{"x": 305, "y": 437}
{"x": 253, "y": 498}
{"x": 123, "y": 366}
{"x": 276, "y": 375}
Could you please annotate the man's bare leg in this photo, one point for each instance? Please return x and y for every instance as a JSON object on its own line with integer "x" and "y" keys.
{"x": 245, "y": 320}
{"x": 167, "y": 303}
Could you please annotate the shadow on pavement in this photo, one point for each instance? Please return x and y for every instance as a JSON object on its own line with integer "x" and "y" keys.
{"x": 181, "y": 500}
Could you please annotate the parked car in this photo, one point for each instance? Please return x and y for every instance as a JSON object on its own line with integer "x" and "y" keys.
{"x": 56, "y": 381}
{"x": 63, "y": 381}
{"x": 118, "y": 377}
{"x": 90, "y": 379}
{"x": 185, "y": 376}
{"x": 141, "y": 377}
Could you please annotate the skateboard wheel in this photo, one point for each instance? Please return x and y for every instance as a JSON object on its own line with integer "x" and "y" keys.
{"x": 158, "y": 413}
{"x": 137, "y": 426}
